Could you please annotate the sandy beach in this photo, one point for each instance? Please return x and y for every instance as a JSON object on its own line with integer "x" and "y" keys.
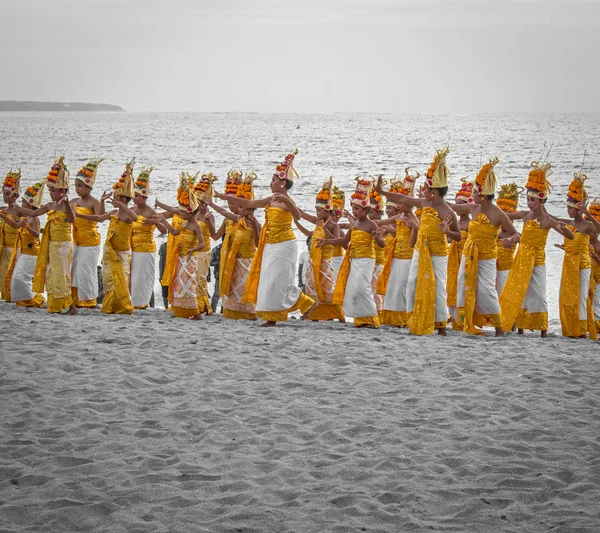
{"x": 151, "y": 424}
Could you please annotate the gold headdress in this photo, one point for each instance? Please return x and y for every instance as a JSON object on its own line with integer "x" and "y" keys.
{"x": 87, "y": 173}
{"x": 338, "y": 200}
{"x": 594, "y": 209}
{"x": 376, "y": 200}
{"x": 465, "y": 193}
{"x": 203, "y": 187}
{"x": 246, "y": 188}
{"x": 324, "y": 198}
{"x": 286, "y": 169}
{"x": 486, "y": 179}
{"x": 58, "y": 178}
{"x": 537, "y": 184}
{"x": 142, "y": 183}
{"x": 186, "y": 197}
{"x": 124, "y": 187}
{"x": 12, "y": 182}
{"x": 437, "y": 174}
{"x": 577, "y": 192}
{"x": 405, "y": 186}
{"x": 233, "y": 181}
{"x": 34, "y": 193}
{"x": 360, "y": 196}
{"x": 508, "y": 197}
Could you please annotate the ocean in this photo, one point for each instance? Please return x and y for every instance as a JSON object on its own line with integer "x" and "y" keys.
{"x": 339, "y": 145}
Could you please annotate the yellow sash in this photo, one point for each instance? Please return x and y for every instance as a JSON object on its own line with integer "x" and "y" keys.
{"x": 172, "y": 251}
{"x": 454, "y": 255}
{"x": 11, "y": 265}
{"x": 142, "y": 236}
{"x": 242, "y": 245}
{"x": 230, "y": 230}
{"x": 361, "y": 246}
{"x": 57, "y": 228}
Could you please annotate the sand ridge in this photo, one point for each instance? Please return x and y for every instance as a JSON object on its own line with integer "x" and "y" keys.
{"x": 150, "y": 424}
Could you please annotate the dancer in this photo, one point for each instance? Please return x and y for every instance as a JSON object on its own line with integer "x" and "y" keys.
{"x": 523, "y": 299}
{"x": 376, "y": 209}
{"x": 338, "y": 199}
{"x": 271, "y": 283}
{"x": 86, "y": 238}
{"x": 594, "y": 210}
{"x": 320, "y": 281}
{"x": 353, "y": 288}
{"x": 508, "y": 200}
{"x": 24, "y": 256}
{"x": 394, "y": 277}
{"x": 428, "y": 301}
{"x": 8, "y": 232}
{"x": 477, "y": 298}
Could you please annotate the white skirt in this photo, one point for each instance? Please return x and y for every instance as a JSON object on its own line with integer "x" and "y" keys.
{"x": 535, "y": 298}
{"x": 336, "y": 263}
{"x": 358, "y": 298}
{"x": 501, "y": 277}
{"x": 596, "y": 301}
{"x": 277, "y": 289}
{"x": 143, "y": 272}
{"x": 440, "y": 270}
{"x": 22, "y": 277}
{"x": 84, "y": 272}
{"x": 486, "y": 297}
{"x": 395, "y": 295}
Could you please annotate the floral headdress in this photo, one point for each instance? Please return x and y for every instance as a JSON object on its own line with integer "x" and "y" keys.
{"x": 594, "y": 209}
{"x": 142, "y": 183}
{"x": 246, "y": 188}
{"x": 465, "y": 193}
{"x": 286, "y": 169}
{"x": 376, "y": 200}
{"x": 233, "y": 181}
{"x": 405, "y": 186}
{"x": 87, "y": 173}
{"x": 437, "y": 174}
{"x": 204, "y": 188}
{"x": 508, "y": 197}
{"x": 577, "y": 192}
{"x": 58, "y": 177}
{"x": 124, "y": 187}
{"x": 186, "y": 196}
{"x": 537, "y": 184}
{"x": 486, "y": 179}
{"x": 34, "y": 193}
{"x": 338, "y": 200}
{"x": 324, "y": 197}
{"x": 12, "y": 182}
{"x": 360, "y": 196}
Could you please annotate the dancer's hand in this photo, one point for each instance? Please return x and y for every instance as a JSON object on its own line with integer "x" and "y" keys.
{"x": 320, "y": 243}
{"x": 446, "y": 223}
{"x": 582, "y": 206}
{"x": 106, "y": 195}
{"x": 379, "y": 185}
{"x": 561, "y": 246}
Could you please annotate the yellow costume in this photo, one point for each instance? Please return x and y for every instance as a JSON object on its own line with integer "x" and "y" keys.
{"x": 8, "y": 238}
{"x": 477, "y": 297}
{"x": 426, "y": 289}
{"x": 455, "y": 254}
{"x": 523, "y": 299}
{"x": 202, "y": 272}
{"x": 184, "y": 280}
{"x": 394, "y": 277}
{"x": 353, "y": 288}
{"x": 143, "y": 263}
{"x": 230, "y": 231}
{"x": 86, "y": 251}
{"x": 53, "y": 265}
{"x": 171, "y": 255}
{"x": 508, "y": 200}
{"x": 21, "y": 269}
{"x": 116, "y": 265}
{"x": 595, "y": 291}
{"x": 271, "y": 282}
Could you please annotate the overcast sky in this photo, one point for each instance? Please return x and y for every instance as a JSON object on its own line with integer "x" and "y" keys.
{"x": 304, "y": 55}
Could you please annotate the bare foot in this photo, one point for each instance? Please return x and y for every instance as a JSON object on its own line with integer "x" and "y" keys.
{"x": 544, "y": 334}
{"x": 309, "y": 312}
{"x": 72, "y": 310}
{"x": 519, "y": 331}
{"x": 268, "y": 324}
{"x": 442, "y": 332}
{"x": 196, "y": 317}
{"x": 499, "y": 332}
{"x": 342, "y": 320}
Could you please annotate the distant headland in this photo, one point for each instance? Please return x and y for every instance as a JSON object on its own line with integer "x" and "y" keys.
{"x": 13, "y": 105}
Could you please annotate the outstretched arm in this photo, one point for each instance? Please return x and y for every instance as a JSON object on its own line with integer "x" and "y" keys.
{"x": 42, "y": 210}
{"x": 12, "y": 223}
{"x": 514, "y": 236}
{"x": 582, "y": 206}
{"x": 311, "y": 218}
{"x": 340, "y": 241}
{"x": 289, "y": 203}
{"x": 242, "y": 201}
{"x": 167, "y": 208}
{"x": 306, "y": 232}
{"x": 402, "y": 198}
{"x": 462, "y": 209}
{"x": 224, "y": 213}
{"x": 561, "y": 227}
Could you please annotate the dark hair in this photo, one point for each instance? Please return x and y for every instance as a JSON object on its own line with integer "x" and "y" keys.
{"x": 441, "y": 190}
{"x": 308, "y": 239}
{"x": 490, "y": 196}
{"x": 288, "y": 184}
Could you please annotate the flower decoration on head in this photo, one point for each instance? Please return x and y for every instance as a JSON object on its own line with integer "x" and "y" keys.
{"x": 376, "y": 201}
{"x": 186, "y": 196}
{"x": 58, "y": 177}
{"x": 486, "y": 179}
{"x": 12, "y": 182}
{"x": 142, "y": 183}
{"x": 246, "y": 188}
{"x": 420, "y": 194}
{"x": 324, "y": 198}
{"x": 360, "y": 196}
{"x": 286, "y": 170}
{"x": 124, "y": 187}
{"x": 404, "y": 186}
{"x": 508, "y": 197}
{"x": 465, "y": 193}
{"x": 338, "y": 200}
{"x": 437, "y": 174}
{"x": 594, "y": 209}
{"x": 233, "y": 181}
{"x": 87, "y": 173}
{"x": 537, "y": 184}
{"x": 577, "y": 192}
{"x": 204, "y": 188}
{"x": 34, "y": 193}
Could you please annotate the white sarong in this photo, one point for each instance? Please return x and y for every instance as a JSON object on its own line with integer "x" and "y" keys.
{"x": 440, "y": 269}
{"x": 395, "y": 295}
{"x": 501, "y": 277}
{"x": 597, "y": 302}
{"x": 336, "y": 263}
{"x": 486, "y": 297}
{"x": 535, "y": 298}
{"x": 277, "y": 289}
{"x": 358, "y": 298}
{"x": 84, "y": 272}
{"x": 22, "y": 277}
{"x": 143, "y": 272}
